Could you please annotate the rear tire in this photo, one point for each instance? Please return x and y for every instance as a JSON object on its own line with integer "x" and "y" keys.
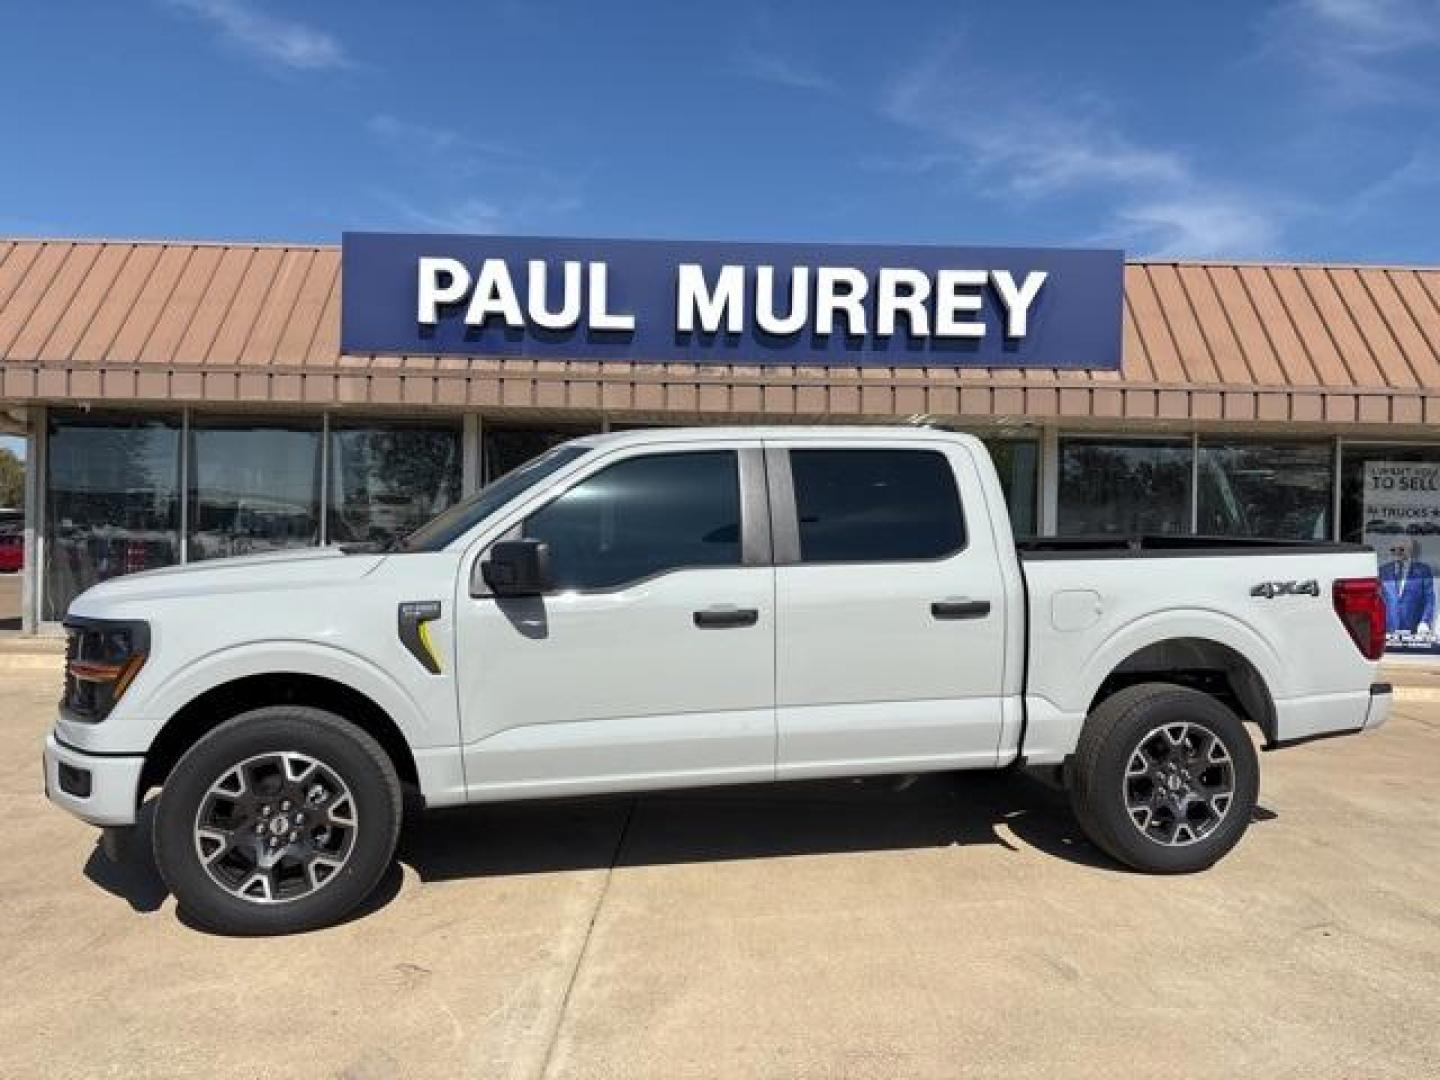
{"x": 1164, "y": 778}
{"x": 282, "y": 819}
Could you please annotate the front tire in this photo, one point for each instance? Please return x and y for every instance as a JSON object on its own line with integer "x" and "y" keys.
{"x": 1164, "y": 778}
{"x": 282, "y": 819}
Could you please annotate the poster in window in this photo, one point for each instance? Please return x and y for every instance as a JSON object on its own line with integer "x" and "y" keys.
{"x": 1402, "y": 523}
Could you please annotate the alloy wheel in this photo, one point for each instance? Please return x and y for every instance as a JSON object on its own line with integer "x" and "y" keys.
{"x": 1179, "y": 784}
{"x": 276, "y": 827}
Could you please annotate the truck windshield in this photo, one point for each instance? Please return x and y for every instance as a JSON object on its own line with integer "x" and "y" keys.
{"x": 440, "y": 531}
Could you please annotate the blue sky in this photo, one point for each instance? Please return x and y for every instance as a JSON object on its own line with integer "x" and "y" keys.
{"x": 1300, "y": 129}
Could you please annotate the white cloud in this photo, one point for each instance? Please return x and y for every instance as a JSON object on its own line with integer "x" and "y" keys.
{"x": 462, "y": 150}
{"x": 476, "y": 215}
{"x": 1025, "y": 146}
{"x": 542, "y": 194}
{"x": 1357, "y": 51}
{"x": 1197, "y": 226}
{"x": 1017, "y": 142}
{"x": 283, "y": 42}
{"x": 466, "y": 216}
{"x": 1420, "y": 171}
{"x": 771, "y": 67}
{"x": 433, "y": 139}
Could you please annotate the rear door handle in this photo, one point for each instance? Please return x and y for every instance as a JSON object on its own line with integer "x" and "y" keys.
{"x": 960, "y": 609}
{"x": 719, "y": 617}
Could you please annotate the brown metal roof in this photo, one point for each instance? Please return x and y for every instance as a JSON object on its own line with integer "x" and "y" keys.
{"x": 251, "y": 323}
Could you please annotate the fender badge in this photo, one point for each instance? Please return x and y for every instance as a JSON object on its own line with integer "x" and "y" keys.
{"x": 1271, "y": 589}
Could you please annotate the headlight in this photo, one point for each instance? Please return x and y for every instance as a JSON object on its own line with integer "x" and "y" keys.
{"x": 102, "y": 658}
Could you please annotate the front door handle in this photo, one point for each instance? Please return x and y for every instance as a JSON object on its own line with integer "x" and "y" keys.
{"x": 960, "y": 609}
{"x": 718, "y": 617}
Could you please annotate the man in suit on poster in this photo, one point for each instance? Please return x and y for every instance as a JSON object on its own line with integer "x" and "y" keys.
{"x": 1408, "y": 586}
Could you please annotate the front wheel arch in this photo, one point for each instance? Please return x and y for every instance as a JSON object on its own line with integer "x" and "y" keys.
{"x": 212, "y": 708}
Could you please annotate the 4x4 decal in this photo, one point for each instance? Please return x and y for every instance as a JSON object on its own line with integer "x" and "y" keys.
{"x": 1271, "y": 589}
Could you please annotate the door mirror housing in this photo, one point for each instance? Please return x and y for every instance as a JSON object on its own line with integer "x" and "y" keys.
{"x": 512, "y": 568}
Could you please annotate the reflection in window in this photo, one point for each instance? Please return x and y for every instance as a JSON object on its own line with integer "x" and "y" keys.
{"x": 112, "y": 500}
{"x": 507, "y": 448}
{"x": 1018, "y": 463}
{"x": 386, "y": 480}
{"x": 1121, "y": 487}
{"x": 254, "y": 486}
{"x": 642, "y": 517}
{"x": 1281, "y": 490}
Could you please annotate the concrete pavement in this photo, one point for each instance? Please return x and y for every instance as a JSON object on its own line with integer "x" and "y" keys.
{"x": 961, "y": 927}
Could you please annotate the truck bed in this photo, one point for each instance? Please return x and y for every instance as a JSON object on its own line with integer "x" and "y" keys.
{"x": 1094, "y": 603}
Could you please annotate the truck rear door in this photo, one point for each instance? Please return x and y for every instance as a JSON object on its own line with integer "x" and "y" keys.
{"x": 890, "y": 607}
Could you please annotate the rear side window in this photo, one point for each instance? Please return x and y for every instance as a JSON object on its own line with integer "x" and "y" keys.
{"x": 641, "y": 517}
{"x": 876, "y": 505}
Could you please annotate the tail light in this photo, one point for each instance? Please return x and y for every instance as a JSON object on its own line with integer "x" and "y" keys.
{"x": 1361, "y": 608}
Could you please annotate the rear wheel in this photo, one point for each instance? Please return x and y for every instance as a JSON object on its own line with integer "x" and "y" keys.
{"x": 1164, "y": 778}
{"x": 279, "y": 820}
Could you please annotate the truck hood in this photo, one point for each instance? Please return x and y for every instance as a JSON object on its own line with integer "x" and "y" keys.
{"x": 304, "y": 568}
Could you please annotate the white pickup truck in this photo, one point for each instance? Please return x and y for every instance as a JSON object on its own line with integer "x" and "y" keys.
{"x": 672, "y": 608}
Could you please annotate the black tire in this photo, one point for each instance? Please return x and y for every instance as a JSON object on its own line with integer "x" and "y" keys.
{"x": 1120, "y": 765}
{"x": 351, "y": 778}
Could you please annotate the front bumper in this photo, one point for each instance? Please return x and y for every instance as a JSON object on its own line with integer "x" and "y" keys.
{"x": 102, "y": 789}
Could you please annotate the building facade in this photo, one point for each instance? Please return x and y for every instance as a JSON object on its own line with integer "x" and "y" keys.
{"x": 186, "y": 401}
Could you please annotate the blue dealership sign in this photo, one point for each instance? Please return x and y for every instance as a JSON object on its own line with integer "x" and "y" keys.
{"x": 719, "y": 302}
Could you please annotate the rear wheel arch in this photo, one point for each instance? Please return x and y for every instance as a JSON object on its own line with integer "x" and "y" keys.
{"x": 1199, "y": 663}
{"x": 208, "y": 710}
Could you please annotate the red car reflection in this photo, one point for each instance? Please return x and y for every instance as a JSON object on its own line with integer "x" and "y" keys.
{"x": 12, "y": 552}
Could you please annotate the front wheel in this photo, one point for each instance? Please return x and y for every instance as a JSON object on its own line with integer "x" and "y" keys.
{"x": 281, "y": 819}
{"x": 1164, "y": 778}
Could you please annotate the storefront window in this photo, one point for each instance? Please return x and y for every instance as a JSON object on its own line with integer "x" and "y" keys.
{"x": 254, "y": 485}
{"x": 1390, "y": 499}
{"x": 1018, "y": 463}
{"x": 506, "y": 448}
{"x": 1124, "y": 486}
{"x": 1279, "y": 489}
{"x": 386, "y": 480}
{"x": 112, "y": 500}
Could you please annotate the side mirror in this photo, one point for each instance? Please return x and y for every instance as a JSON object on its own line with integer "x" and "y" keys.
{"x": 512, "y": 568}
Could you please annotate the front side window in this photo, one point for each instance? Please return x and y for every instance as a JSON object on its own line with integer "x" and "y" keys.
{"x": 875, "y": 505}
{"x": 641, "y": 517}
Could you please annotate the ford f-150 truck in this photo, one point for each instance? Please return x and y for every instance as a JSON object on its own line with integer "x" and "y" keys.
{"x": 672, "y": 608}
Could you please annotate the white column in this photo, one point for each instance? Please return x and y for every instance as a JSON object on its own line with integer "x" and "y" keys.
{"x": 1049, "y": 481}
{"x": 184, "y": 486}
{"x": 324, "y": 478}
{"x": 472, "y": 470}
{"x": 32, "y": 580}
{"x": 1335, "y": 491}
{"x": 1194, "y": 481}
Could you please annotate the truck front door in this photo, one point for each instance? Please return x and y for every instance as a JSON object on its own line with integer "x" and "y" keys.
{"x": 652, "y": 660}
{"x": 891, "y": 608}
